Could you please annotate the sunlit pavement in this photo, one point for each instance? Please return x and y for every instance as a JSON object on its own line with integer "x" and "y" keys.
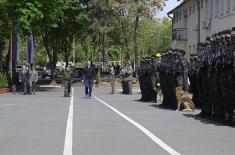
{"x": 103, "y": 125}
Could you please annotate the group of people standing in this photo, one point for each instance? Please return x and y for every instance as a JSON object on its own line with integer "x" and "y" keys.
{"x": 209, "y": 75}
{"x": 212, "y": 76}
{"x": 28, "y": 78}
{"x": 163, "y": 73}
{"x": 126, "y": 76}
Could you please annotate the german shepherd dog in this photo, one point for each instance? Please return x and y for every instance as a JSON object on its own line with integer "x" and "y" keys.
{"x": 184, "y": 100}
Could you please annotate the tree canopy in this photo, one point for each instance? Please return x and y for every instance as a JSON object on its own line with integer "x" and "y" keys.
{"x": 100, "y": 30}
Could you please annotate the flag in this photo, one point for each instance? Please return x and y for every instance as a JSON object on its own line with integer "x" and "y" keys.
{"x": 30, "y": 46}
{"x": 15, "y": 48}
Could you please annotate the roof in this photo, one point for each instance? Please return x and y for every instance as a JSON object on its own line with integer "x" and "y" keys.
{"x": 179, "y": 6}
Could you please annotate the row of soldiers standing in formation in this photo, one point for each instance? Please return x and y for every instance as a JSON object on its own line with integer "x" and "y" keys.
{"x": 210, "y": 72}
{"x": 212, "y": 76}
{"x": 163, "y": 73}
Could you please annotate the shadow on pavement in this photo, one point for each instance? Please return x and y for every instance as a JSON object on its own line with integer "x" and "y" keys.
{"x": 162, "y": 107}
{"x": 210, "y": 121}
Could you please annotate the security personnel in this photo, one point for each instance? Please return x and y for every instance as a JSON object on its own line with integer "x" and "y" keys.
{"x": 123, "y": 80}
{"x": 141, "y": 73}
{"x": 24, "y": 78}
{"x": 112, "y": 78}
{"x": 67, "y": 81}
{"x": 168, "y": 79}
{"x": 33, "y": 79}
{"x": 193, "y": 79}
{"x": 184, "y": 62}
{"x": 129, "y": 77}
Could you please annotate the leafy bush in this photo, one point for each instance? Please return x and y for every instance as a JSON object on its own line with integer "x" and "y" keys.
{"x": 3, "y": 81}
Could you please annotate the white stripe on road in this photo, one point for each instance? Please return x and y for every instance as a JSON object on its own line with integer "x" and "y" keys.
{"x": 68, "y": 144}
{"x": 143, "y": 129}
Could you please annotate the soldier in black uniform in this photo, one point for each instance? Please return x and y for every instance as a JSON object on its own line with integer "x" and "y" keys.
{"x": 230, "y": 75}
{"x": 192, "y": 78}
{"x": 232, "y": 52}
{"x": 202, "y": 78}
{"x": 168, "y": 80}
{"x": 141, "y": 71}
{"x": 215, "y": 77}
{"x": 147, "y": 80}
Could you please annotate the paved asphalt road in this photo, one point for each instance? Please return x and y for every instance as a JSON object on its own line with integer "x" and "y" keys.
{"x": 49, "y": 124}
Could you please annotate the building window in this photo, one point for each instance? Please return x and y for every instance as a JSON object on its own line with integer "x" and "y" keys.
{"x": 221, "y": 8}
{"x": 190, "y": 10}
{"x": 185, "y": 13}
{"x": 202, "y": 3}
{"x": 177, "y": 17}
{"x": 207, "y": 8}
{"x": 194, "y": 8}
{"x": 180, "y": 16}
{"x": 194, "y": 49}
{"x": 216, "y": 8}
{"x": 190, "y": 49}
{"x": 228, "y": 6}
{"x": 211, "y": 8}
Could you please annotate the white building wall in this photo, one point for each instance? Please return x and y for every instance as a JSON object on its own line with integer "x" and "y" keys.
{"x": 192, "y": 27}
{"x": 218, "y": 14}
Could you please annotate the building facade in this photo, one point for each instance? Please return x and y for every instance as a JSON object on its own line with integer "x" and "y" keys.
{"x": 194, "y": 20}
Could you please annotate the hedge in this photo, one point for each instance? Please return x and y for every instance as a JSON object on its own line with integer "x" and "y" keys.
{"x": 3, "y": 81}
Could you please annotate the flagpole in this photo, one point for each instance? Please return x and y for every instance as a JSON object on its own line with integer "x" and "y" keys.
{"x": 10, "y": 55}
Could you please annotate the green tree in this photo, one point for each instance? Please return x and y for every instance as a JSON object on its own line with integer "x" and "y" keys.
{"x": 140, "y": 9}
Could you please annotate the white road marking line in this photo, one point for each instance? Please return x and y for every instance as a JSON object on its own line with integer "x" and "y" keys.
{"x": 143, "y": 129}
{"x": 68, "y": 144}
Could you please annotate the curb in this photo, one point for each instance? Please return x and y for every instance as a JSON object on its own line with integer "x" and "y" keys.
{"x": 4, "y": 90}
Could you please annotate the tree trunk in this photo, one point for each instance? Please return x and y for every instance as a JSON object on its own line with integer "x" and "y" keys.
{"x": 53, "y": 65}
{"x": 100, "y": 49}
{"x": 136, "y": 41}
{"x": 105, "y": 50}
{"x": 51, "y": 55}
{"x": 127, "y": 46}
{"x": 46, "y": 45}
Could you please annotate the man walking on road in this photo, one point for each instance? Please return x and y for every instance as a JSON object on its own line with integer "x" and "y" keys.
{"x": 33, "y": 79}
{"x": 89, "y": 77}
{"x": 68, "y": 75}
{"x": 24, "y": 79}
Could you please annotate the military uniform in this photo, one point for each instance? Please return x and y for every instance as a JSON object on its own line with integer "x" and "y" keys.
{"x": 33, "y": 80}
{"x": 24, "y": 78}
{"x": 112, "y": 79}
{"x": 125, "y": 89}
{"x": 68, "y": 74}
{"x": 215, "y": 77}
{"x": 129, "y": 78}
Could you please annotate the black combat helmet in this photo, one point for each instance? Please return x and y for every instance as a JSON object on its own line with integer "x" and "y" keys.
{"x": 182, "y": 52}
{"x": 233, "y": 35}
